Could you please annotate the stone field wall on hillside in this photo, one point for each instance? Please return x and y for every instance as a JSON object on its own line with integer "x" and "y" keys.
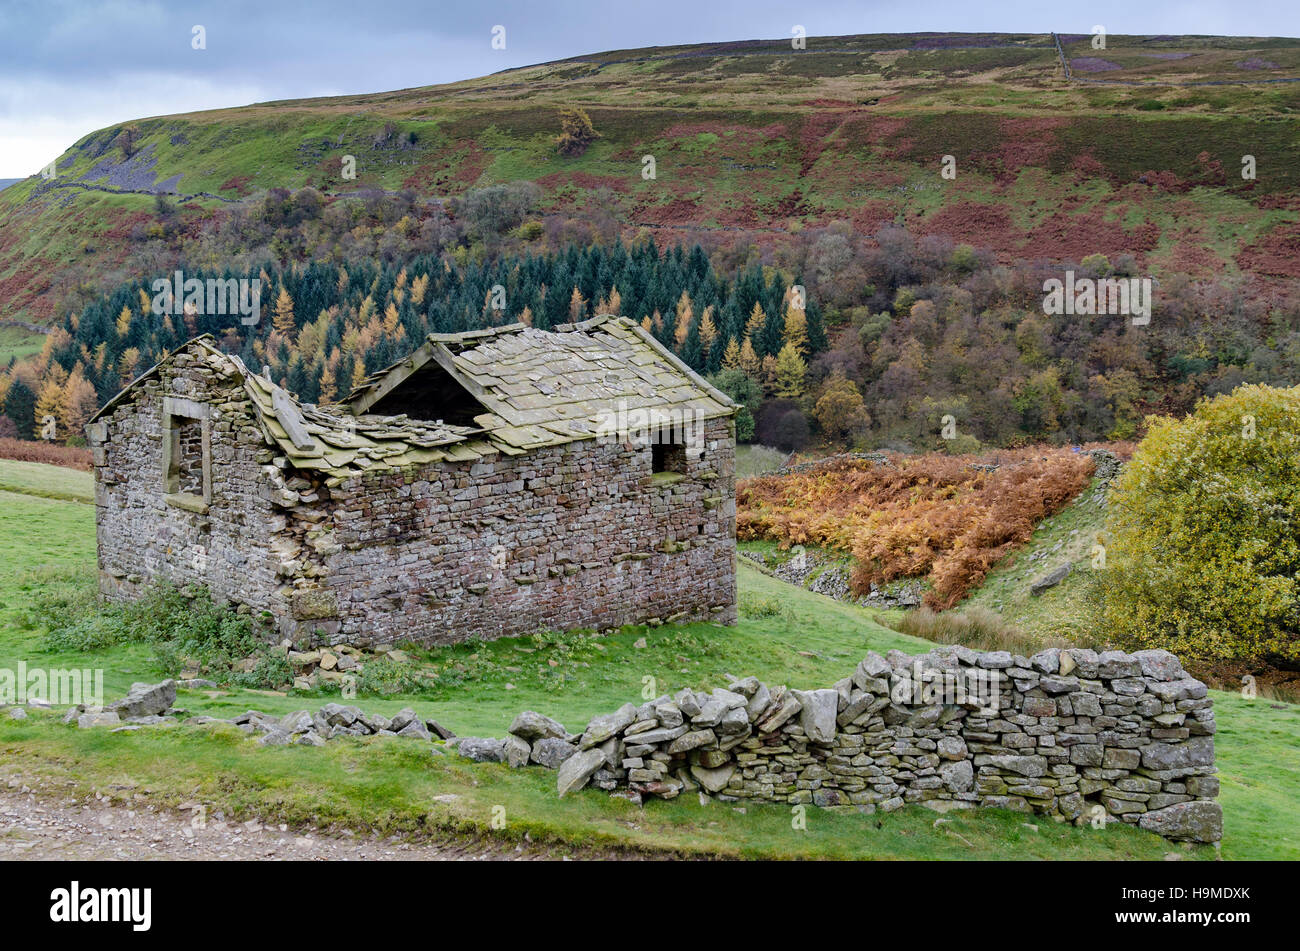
{"x": 1089, "y": 738}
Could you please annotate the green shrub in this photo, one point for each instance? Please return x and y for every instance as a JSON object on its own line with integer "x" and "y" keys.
{"x": 179, "y": 626}
{"x": 758, "y": 606}
{"x": 383, "y": 676}
{"x": 272, "y": 671}
{"x": 1204, "y": 559}
{"x": 963, "y": 444}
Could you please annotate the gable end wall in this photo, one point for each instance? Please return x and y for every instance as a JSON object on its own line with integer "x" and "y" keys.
{"x": 143, "y": 538}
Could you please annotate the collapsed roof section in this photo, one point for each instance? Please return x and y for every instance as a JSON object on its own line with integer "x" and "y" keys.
{"x": 539, "y": 388}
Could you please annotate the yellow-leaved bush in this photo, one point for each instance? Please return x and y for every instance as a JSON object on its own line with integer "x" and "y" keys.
{"x": 1203, "y": 550}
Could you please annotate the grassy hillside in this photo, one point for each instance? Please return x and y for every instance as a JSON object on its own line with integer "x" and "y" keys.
{"x": 785, "y": 634}
{"x": 1068, "y": 537}
{"x": 53, "y": 482}
{"x": 751, "y": 139}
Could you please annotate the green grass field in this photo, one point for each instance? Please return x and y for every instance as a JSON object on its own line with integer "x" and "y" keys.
{"x": 399, "y": 787}
{"x": 16, "y": 343}
{"x": 53, "y": 482}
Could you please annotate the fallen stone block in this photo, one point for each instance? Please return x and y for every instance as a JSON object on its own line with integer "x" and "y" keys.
{"x": 530, "y": 726}
{"x": 1198, "y": 821}
{"x": 145, "y": 699}
{"x": 105, "y": 718}
{"x": 577, "y": 770}
{"x": 481, "y": 749}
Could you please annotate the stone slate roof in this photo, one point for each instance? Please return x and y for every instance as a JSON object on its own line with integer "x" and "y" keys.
{"x": 543, "y": 388}
{"x": 540, "y": 388}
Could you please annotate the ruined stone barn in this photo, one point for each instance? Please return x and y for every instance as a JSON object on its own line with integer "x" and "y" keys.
{"x": 496, "y": 482}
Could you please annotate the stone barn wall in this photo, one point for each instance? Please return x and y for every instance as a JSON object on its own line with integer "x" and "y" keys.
{"x": 1086, "y": 737}
{"x": 146, "y": 534}
{"x": 578, "y": 535}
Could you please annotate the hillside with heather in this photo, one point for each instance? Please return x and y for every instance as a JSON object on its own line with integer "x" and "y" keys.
{"x": 1139, "y": 152}
{"x": 851, "y": 238}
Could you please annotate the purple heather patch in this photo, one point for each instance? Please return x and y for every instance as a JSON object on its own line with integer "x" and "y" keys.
{"x": 1092, "y": 64}
{"x": 1256, "y": 63}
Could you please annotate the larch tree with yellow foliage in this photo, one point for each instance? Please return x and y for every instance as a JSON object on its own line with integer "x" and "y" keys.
{"x": 790, "y": 371}
{"x": 756, "y": 322}
{"x": 284, "y": 322}
{"x": 358, "y": 373}
{"x": 749, "y": 361}
{"x": 577, "y": 305}
{"x": 731, "y": 355}
{"x": 795, "y": 331}
{"x": 49, "y": 410}
{"x": 79, "y": 403}
{"x": 708, "y": 331}
{"x": 391, "y": 320}
{"x": 685, "y": 314}
{"x": 328, "y": 384}
{"x": 418, "y": 288}
{"x": 767, "y": 374}
{"x": 128, "y": 364}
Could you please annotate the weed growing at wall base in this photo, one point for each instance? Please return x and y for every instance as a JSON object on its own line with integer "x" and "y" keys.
{"x": 185, "y": 629}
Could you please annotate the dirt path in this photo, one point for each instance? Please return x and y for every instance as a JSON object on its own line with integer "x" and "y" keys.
{"x": 41, "y": 827}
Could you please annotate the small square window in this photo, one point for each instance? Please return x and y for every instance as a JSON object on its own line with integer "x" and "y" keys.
{"x": 668, "y": 457}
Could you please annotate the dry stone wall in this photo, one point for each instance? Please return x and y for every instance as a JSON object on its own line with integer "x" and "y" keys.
{"x": 1089, "y": 738}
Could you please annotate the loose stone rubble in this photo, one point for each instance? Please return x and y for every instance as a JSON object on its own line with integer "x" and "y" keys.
{"x": 335, "y": 664}
{"x": 151, "y": 705}
{"x": 1084, "y": 737}
{"x": 331, "y": 721}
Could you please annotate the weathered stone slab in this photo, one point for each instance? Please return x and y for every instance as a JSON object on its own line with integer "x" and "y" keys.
{"x": 577, "y": 770}
{"x": 145, "y": 699}
{"x": 531, "y": 726}
{"x": 1198, "y": 821}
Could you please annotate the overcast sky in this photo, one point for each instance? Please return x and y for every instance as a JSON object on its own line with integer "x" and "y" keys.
{"x": 68, "y": 67}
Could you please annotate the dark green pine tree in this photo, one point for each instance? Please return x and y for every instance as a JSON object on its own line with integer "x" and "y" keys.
{"x": 298, "y": 380}
{"x": 692, "y": 350}
{"x": 20, "y": 406}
